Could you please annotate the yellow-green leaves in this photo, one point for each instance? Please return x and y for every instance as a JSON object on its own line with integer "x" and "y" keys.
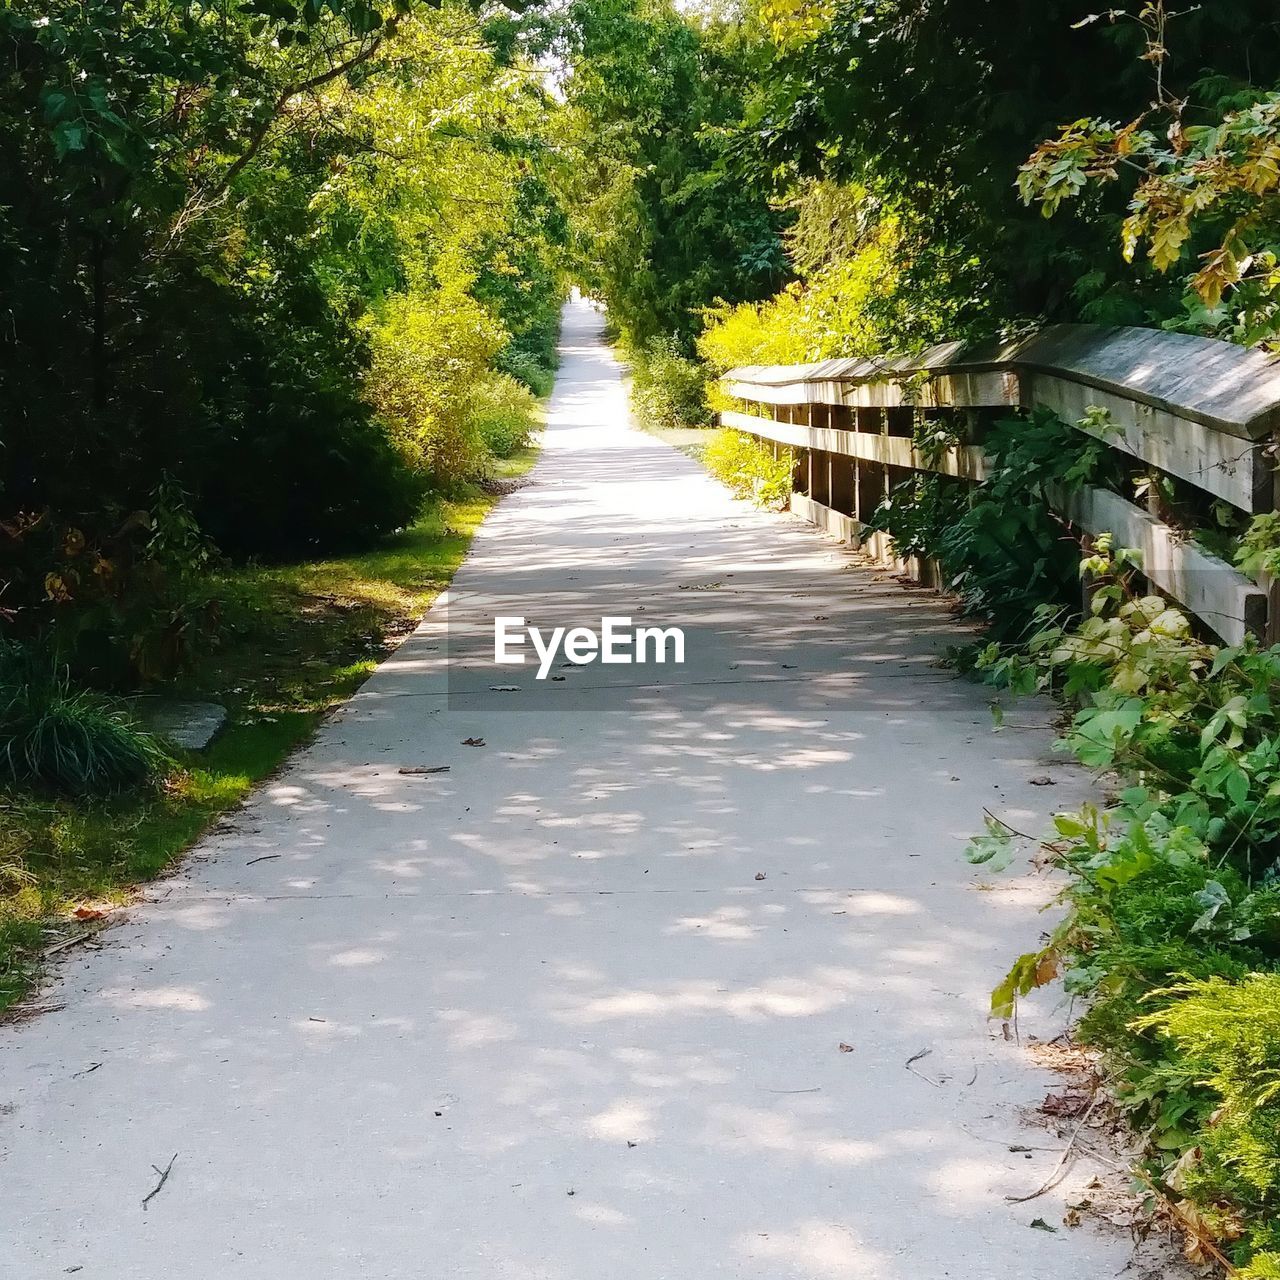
{"x": 1191, "y": 178}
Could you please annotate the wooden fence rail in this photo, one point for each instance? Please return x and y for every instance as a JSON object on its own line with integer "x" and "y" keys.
{"x": 1204, "y": 412}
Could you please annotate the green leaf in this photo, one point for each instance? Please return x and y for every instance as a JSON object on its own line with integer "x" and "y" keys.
{"x": 994, "y": 850}
{"x": 68, "y": 137}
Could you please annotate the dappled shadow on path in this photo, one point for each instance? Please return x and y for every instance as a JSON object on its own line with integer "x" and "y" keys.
{"x": 574, "y": 1008}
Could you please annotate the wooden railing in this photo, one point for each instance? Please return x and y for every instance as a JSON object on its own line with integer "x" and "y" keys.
{"x": 1202, "y": 411}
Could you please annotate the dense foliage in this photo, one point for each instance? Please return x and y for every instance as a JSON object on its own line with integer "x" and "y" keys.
{"x": 1173, "y": 905}
{"x": 663, "y": 223}
{"x": 223, "y": 230}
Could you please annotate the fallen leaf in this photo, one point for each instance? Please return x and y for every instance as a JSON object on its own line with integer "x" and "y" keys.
{"x": 759, "y": 875}
{"x": 473, "y": 742}
{"x": 845, "y": 1048}
{"x": 1042, "y": 780}
{"x": 1039, "y": 1224}
{"x": 1068, "y": 1105}
{"x": 84, "y": 912}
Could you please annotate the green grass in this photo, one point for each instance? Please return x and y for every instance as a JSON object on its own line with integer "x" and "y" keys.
{"x": 299, "y": 639}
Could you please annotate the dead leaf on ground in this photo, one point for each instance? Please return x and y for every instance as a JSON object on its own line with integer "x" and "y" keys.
{"x": 1039, "y": 1224}
{"x": 1042, "y": 780}
{"x": 473, "y": 742}
{"x": 759, "y": 875}
{"x": 1067, "y": 1105}
{"x": 845, "y": 1048}
{"x": 1203, "y": 1234}
{"x": 86, "y": 912}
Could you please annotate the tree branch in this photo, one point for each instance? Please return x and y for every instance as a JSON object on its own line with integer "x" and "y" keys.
{"x": 259, "y": 136}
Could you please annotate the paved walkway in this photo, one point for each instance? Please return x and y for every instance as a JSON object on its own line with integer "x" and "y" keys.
{"x": 576, "y": 1009}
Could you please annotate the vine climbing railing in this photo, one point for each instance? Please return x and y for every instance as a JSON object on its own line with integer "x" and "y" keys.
{"x": 1189, "y": 413}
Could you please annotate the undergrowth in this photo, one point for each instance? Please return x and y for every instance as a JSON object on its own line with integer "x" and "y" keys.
{"x": 748, "y": 467}
{"x": 1172, "y": 924}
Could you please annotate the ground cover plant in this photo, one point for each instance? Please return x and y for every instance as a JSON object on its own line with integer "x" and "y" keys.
{"x": 1171, "y": 932}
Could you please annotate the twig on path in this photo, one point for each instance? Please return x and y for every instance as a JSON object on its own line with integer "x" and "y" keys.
{"x": 1060, "y": 1169}
{"x": 164, "y": 1177}
{"x": 910, "y": 1066}
{"x": 85, "y": 935}
{"x": 264, "y": 858}
{"x": 1003, "y": 1142}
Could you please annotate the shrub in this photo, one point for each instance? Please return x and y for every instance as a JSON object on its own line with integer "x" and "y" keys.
{"x": 299, "y": 480}
{"x": 1172, "y": 928}
{"x": 530, "y": 357}
{"x": 748, "y": 468}
{"x": 428, "y": 356}
{"x": 527, "y": 367}
{"x": 919, "y": 512}
{"x": 1229, "y": 1036}
{"x": 504, "y": 414}
{"x": 1008, "y": 552}
{"x": 669, "y": 389}
{"x": 71, "y": 741}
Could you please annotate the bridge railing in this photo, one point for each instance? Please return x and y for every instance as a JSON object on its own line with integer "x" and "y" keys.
{"x": 1204, "y": 412}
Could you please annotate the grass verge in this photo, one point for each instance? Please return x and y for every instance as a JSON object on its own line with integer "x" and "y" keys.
{"x": 298, "y": 640}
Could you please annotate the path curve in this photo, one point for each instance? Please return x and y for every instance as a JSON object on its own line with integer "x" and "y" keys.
{"x": 575, "y": 1009}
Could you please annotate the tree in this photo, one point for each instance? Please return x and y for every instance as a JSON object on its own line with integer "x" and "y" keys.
{"x": 664, "y": 223}
{"x": 935, "y": 105}
{"x": 1202, "y": 171}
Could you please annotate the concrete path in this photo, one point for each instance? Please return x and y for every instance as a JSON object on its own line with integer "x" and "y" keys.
{"x": 575, "y": 1009}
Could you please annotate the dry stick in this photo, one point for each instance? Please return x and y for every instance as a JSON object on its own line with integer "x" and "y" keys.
{"x": 1061, "y": 1167}
{"x": 266, "y": 857}
{"x": 164, "y": 1177}
{"x": 915, "y": 1057}
{"x": 74, "y": 941}
{"x": 1003, "y": 1142}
